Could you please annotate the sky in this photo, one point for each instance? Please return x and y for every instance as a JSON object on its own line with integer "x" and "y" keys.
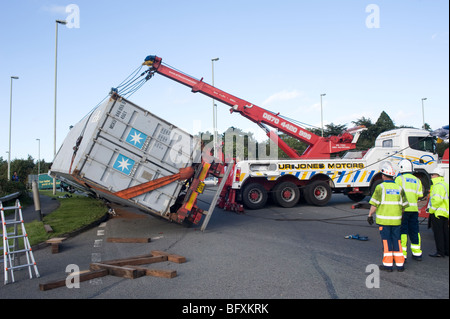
{"x": 366, "y": 56}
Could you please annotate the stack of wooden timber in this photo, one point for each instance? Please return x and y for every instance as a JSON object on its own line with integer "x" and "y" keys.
{"x": 126, "y": 267}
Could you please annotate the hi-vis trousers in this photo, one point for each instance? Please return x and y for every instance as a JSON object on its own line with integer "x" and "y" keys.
{"x": 410, "y": 228}
{"x": 392, "y": 246}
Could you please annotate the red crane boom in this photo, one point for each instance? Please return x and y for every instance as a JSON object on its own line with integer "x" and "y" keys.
{"x": 318, "y": 147}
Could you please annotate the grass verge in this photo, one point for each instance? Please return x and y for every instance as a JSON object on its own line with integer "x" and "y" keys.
{"x": 73, "y": 213}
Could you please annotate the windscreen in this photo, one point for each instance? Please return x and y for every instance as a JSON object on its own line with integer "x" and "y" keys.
{"x": 422, "y": 143}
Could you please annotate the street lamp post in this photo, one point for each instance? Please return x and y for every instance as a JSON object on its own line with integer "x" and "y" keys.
{"x": 10, "y": 118}
{"x": 214, "y": 110}
{"x": 56, "y": 82}
{"x": 423, "y": 113}
{"x": 39, "y": 158}
{"x": 321, "y": 111}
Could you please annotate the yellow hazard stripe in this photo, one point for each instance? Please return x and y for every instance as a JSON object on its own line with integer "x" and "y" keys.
{"x": 348, "y": 177}
{"x": 360, "y": 176}
{"x": 204, "y": 171}
{"x": 363, "y": 176}
{"x": 334, "y": 175}
{"x": 191, "y": 201}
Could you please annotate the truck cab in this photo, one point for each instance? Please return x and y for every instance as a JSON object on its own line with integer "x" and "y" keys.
{"x": 416, "y": 145}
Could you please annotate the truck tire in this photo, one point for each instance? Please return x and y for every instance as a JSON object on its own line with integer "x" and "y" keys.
{"x": 426, "y": 184}
{"x": 254, "y": 196}
{"x": 374, "y": 185}
{"x": 286, "y": 194}
{"x": 318, "y": 193}
{"x": 356, "y": 197}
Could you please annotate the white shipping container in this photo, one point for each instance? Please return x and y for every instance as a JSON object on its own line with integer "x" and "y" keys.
{"x": 123, "y": 145}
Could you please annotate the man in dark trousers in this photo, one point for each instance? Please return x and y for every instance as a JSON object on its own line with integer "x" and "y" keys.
{"x": 438, "y": 209}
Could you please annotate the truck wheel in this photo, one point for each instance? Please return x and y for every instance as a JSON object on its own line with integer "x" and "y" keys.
{"x": 374, "y": 185}
{"x": 356, "y": 197}
{"x": 286, "y": 194}
{"x": 254, "y": 196}
{"x": 426, "y": 183}
{"x": 318, "y": 193}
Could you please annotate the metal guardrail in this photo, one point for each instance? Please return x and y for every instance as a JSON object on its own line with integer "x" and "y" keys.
{"x": 9, "y": 197}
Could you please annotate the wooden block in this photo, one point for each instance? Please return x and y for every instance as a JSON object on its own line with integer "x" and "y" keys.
{"x": 136, "y": 260}
{"x": 57, "y": 240}
{"x": 119, "y": 271}
{"x": 55, "y": 248}
{"x": 83, "y": 277}
{"x": 48, "y": 228}
{"x": 128, "y": 240}
{"x": 112, "y": 261}
{"x": 163, "y": 273}
{"x": 170, "y": 257}
{"x": 55, "y": 243}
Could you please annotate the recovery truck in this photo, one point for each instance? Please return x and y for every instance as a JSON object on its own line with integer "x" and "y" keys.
{"x": 313, "y": 174}
{"x": 356, "y": 175}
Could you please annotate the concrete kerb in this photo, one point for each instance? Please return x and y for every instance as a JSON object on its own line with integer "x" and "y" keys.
{"x": 76, "y": 232}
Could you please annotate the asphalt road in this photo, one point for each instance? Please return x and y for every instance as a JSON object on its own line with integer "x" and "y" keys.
{"x": 273, "y": 253}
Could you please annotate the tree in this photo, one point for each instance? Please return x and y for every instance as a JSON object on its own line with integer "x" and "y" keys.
{"x": 235, "y": 143}
{"x": 23, "y": 167}
{"x": 427, "y": 127}
{"x": 239, "y": 144}
{"x": 293, "y": 143}
{"x": 384, "y": 123}
{"x": 366, "y": 122}
{"x": 334, "y": 129}
{"x": 368, "y": 137}
{"x": 441, "y": 147}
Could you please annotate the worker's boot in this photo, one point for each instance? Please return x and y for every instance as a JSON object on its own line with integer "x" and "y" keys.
{"x": 385, "y": 268}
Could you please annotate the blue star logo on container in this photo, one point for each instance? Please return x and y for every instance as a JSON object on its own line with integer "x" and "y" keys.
{"x": 124, "y": 164}
{"x": 136, "y": 138}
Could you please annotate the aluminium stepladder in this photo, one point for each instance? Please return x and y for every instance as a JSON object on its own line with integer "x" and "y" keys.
{"x": 11, "y": 251}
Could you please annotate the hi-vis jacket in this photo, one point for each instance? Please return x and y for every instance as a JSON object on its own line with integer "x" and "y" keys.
{"x": 390, "y": 200}
{"x": 413, "y": 190}
{"x": 439, "y": 197}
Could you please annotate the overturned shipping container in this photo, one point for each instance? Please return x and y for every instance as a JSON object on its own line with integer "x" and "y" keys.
{"x": 119, "y": 146}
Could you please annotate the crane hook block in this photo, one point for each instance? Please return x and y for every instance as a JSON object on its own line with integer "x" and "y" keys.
{"x": 149, "y": 60}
